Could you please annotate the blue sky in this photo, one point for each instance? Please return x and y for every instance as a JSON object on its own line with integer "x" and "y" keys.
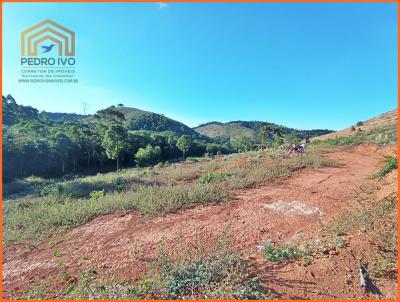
{"x": 302, "y": 65}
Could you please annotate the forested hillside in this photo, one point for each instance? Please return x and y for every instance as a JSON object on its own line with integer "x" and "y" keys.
{"x": 35, "y": 144}
{"x": 251, "y": 130}
{"x": 157, "y": 122}
{"x": 55, "y": 144}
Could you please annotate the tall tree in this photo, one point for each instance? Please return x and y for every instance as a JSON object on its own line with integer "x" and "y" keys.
{"x": 263, "y": 136}
{"x": 64, "y": 147}
{"x": 184, "y": 143}
{"x": 115, "y": 141}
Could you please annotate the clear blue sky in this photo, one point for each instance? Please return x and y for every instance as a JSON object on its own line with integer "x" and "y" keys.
{"x": 300, "y": 65}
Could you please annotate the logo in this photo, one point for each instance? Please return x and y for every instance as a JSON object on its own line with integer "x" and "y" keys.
{"x": 48, "y": 54}
{"x": 47, "y": 31}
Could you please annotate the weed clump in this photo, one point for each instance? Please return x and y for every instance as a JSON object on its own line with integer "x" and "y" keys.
{"x": 214, "y": 272}
{"x": 213, "y": 177}
{"x": 390, "y": 165}
{"x": 277, "y": 254}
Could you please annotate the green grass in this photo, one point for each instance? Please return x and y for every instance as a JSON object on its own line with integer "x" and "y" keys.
{"x": 38, "y": 217}
{"x": 256, "y": 173}
{"x": 379, "y": 136}
{"x": 79, "y": 187}
{"x": 35, "y": 218}
{"x": 213, "y": 177}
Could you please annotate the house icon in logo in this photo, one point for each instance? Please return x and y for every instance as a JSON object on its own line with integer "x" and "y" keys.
{"x": 47, "y": 31}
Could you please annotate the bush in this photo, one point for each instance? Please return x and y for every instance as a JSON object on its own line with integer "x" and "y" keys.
{"x": 359, "y": 124}
{"x": 213, "y": 177}
{"x": 148, "y": 155}
{"x": 391, "y": 164}
{"x": 280, "y": 254}
{"x": 340, "y": 141}
{"x": 57, "y": 189}
{"x": 97, "y": 194}
{"x": 212, "y": 272}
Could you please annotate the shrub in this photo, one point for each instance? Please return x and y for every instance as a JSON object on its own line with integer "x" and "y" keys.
{"x": 148, "y": 155}
{"x": 57, "y": 189}
{"x": 214, "y": 272}
{"x": 359, "y": 124}
{"x": 96, "y": 194}
{"x": 390, "y": 164}
{"x": 209, "y": 273}
{"x": 213, "y": 177}
{"x": 280, "y": 254}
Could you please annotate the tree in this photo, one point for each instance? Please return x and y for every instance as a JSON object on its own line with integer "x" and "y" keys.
{"x": 148, "y": 155}
{"x": 184, "y": 143}
{"x": 64, "y": 146}
{"x": 110, "y": 116}
{"x": 277, "y": 141}
{"x": 171, "y": 140}
{"x": 115, "y": 141}
{"x": 263, "y": 136}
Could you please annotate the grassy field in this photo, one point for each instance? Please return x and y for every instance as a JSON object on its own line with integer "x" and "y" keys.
{"x": 52, "y": 206}
{"x": 36, "y": 208}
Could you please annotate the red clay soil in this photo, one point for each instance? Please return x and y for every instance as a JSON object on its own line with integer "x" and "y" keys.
{"x": 123, "y": 243}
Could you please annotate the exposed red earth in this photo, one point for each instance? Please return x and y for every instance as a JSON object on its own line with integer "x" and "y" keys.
{"x": 123, "y": 243}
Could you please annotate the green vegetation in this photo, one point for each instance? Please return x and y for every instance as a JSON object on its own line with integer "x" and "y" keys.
{"x": 375, "y": 222}
{"x": 53, "y": 145}
{"x": 34, "y": 144}
{"x": 159, "y": 123}
{"x": 213, "y": 177}
{"x": 278, "y": 254}
{"x": 115, "y": 142}
{"x": 255, "y": 131}
{"x": 149, "y": 155}
{"x": 390, "y": 165}
{"x": 67, "y": 204}
{"x": 378, "y": 136}
{"x": 36, "y": 218}
{"x": 212, "y": 272}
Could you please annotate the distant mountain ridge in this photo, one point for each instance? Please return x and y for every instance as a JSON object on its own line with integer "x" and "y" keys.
{"x": 251, "y": 130}
{"x": 137, "y": 119}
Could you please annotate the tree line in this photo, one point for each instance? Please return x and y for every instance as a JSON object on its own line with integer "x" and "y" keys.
{"x": 35, "y": 145}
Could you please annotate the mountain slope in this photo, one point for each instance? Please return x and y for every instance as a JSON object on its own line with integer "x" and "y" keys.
{"x": 387, "y": 120}
{"x": 132, "y": 113}
{"x": 251, "y": 129}
{"x": 159, "y": 123}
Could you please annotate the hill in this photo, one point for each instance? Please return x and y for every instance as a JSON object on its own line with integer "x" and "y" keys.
{"x": 251, "y": 130}
{"x": 142, "y": 120}
{"x": 131, "y": 113}
{"x": 385, "y": 121}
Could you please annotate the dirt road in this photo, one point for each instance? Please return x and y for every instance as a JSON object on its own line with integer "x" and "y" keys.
{"x": 122, "y": 243}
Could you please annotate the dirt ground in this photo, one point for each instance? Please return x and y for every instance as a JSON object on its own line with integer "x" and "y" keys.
{"x": 123, "y": 243}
